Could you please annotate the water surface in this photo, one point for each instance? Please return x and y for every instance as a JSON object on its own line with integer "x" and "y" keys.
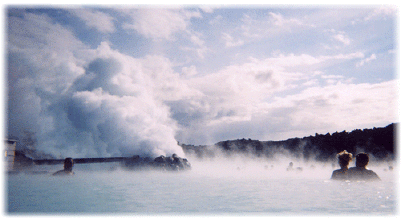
{"x": 210, "y": 189}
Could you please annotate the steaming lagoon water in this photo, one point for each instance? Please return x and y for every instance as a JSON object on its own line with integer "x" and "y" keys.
{"x": 210, "y": 188}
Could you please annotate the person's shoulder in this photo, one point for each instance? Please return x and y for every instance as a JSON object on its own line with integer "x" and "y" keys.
{"x": 339, "y": 174}
{"x": 371, "y": 173}
{"x": 356, "y": 170}
{"x": 353, "y": 170}
{"x": 362, "y": 174}
{"x": 339, "y": 171}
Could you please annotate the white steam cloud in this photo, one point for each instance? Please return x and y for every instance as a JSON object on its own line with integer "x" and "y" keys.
{"x": 79, "y": 102}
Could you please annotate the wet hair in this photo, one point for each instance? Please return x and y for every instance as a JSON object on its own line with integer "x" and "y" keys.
{"x": 362, "y": 160}
{"x": 344, "y": 158}
{"x": 68, "y": 164}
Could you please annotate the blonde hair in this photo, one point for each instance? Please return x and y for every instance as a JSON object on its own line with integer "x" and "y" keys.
{"x": 344, "y": 158}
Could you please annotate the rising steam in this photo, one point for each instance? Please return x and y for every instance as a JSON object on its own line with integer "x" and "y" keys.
{"x": 104, "y": 106}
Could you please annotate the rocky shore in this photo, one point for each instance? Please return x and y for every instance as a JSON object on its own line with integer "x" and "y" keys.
{"x": 173, "y": 163}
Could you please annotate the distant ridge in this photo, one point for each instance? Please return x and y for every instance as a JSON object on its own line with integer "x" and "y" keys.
{"x": 378, "y": 142}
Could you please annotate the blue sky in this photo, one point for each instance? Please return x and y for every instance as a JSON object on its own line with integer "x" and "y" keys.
{"x": 122, "y": 80}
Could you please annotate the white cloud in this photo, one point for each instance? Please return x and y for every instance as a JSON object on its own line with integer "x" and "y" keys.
{"x": 295, "y": 60}
{"x": 271, "y": 25}
{"x": 317, "y": 109}
{"x": 391, "y": 51}
{"x": 50, "y": 47}
{"x": 238, "y": 91}
{"x": 198, "y": 51}
{"x": 342, "y": 38}
{"x": 238, "y": 94}
{"x": 230, "y": 42}
{"x": 189, "y": 71}
{"x": 199, "y": 47}
{"x": 332, "y": 76}
{"x": 278, "y": 20}
{"x": 96, "y": 19}
{"x": 367, "y": 60}
{"x": 208, "y": 8}
{"x": 158, "y": 23}
{"x": 349, "y": 56}
{"x": 333, "y": 108}
{"x": 339, "y": 36}
{"x": 332, "y": 79}
{"x": 382, "y": 11}
{"x": 195, "y": 38}
{"x": 216, "y": 20}
{"x": 317, "y": 72}
{"x": 311, "y": 82}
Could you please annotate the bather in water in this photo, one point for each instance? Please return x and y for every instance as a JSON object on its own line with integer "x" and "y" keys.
{"x": 68, "y": 164}
{"x": 360, "y": 172}
{"x": 343, "y": 160}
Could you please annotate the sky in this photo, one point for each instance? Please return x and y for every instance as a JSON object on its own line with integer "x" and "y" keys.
{"x": 120, "y": 80}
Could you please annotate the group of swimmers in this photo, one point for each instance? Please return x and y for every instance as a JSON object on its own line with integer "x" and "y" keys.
{"x": 359, "y": 172}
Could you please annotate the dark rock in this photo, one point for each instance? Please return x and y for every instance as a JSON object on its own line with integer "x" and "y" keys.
{"x": 174, "y": 163}
{"x": 161, "y": 159}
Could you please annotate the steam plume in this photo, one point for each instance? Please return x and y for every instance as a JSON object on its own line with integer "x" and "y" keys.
{"x": 104, "y": 105}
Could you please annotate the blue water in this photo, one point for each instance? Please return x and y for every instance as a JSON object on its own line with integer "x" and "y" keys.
{"x": 212, "y": 189}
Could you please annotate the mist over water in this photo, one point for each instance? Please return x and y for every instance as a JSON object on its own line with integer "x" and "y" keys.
{"x": 260, "y": 168}
{"x": 221, "y": 186}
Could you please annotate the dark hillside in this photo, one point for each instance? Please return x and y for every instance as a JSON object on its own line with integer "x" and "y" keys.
{"x": 379, "y": 142}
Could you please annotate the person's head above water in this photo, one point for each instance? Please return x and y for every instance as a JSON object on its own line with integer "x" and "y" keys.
{"x": 344, "y": 158}
{"x": 68, "y": 164}
{"x": 362, "y": 160}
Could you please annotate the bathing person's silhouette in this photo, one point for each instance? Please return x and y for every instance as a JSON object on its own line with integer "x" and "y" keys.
{"x": 360, "y": 172}
{"x": 343, "y": 160}
{"x": 68, "y": 164}
{"x": 290, "y": 166}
